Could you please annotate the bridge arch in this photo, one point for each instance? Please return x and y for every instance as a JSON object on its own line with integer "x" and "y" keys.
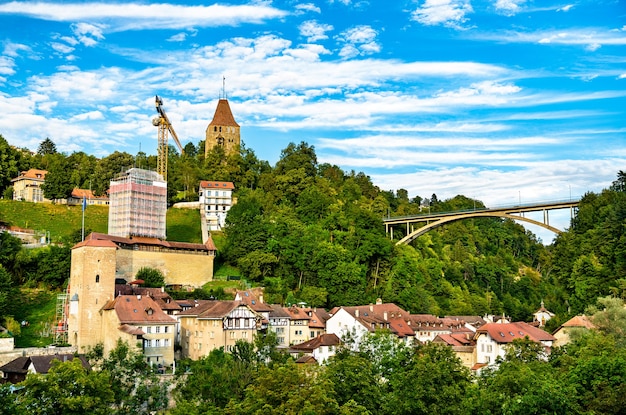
{"x": 430, "y": 226}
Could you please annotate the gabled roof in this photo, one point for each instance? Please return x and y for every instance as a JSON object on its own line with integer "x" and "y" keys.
{"x": 223, "y": 115}
{"x": 475, "y": 321}
{"x": 251, "y": 300}
{"x": 102, "y": 239}
{"x": 162, "y": 298}
{"x": 382, "y": 315}
{"x": 86, "y": 193}
{"x": 33, "y": 174}
{"x": 41, "y": 364}
{"x": 454, "y": 339}
{"x": 579, "y": 321}
{"x": 138, "y": 309}
{"x": 297, "y": 313}
{"x": 213, "y": 309}
{"x": 205, "y": 184}
{"x": 326, "y": 339}
{"x": 278, "y": 311}
{"x": 507, "y": 332}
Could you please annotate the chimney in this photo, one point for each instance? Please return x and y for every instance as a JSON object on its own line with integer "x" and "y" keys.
{"x": 139, "y": 296}
{"x": 385, "y": 316}
{"x": 371, "y": 307}
{"x": 261, "y": 298}
{"x": 356, "y": 313}
{"x": 379, "y": 301}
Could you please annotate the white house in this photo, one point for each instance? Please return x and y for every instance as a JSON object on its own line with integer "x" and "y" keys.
{"x": 321, "y": 347}
{"x": 216, "y": 199}
{"x": 493, "y": 339}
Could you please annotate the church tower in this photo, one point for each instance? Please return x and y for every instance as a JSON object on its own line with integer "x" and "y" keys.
{"x": 223, "y": 130}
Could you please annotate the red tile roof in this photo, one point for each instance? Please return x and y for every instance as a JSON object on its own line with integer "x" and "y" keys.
{"x": 119, "y": 240}
{"x": 223, "y": 115}
{"x": 205, "y": 184}
{"x": 212, "y": 309}
{"x": 34, "y": 174}
{"x": 507, "y": 332}
{"x": 316, "y": 342}
{"x": 579, "y": 321}
{"x": 138, "y": 309}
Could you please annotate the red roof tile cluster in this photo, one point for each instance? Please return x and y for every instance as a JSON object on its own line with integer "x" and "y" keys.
{"x": 507, "y": 332}
{"x": 138, "y": 309}
{"x": 211, "y": 309}
{"x": 579, "y": 321}
{"x": 34, "y": 174}
{"x": 205, "y": 184}
{"x": 325, "y": 339}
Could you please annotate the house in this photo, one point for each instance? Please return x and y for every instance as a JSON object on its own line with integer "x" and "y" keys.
{"x": 463, "y": 345}
{"x": 321, "y": 348}
{"x": 562, "y": 333}
{"x": 78, "y": 195}
{"x": 216, "y": 324}
{"x": 27, "y": 186}
{"x": 159, "y": 295}
{"x": 299, "y": 320}
{"x": 350, "y": 324}
{"x": 249, "y": 298}
{"x": 542, "y": 315}
{"x": 16, "y": 370}
{"x": 279, "y": 323}
{"x": 216, "y": 199}
{"x": 139, "y": 321}
{"x": 493, "y": 339}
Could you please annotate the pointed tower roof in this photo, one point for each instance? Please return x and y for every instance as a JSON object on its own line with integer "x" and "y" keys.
{"x": 223, "y": 115}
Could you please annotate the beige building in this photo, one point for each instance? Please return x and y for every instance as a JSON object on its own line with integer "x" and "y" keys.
{"x": 139, "y": 321}
{"x": 576, "y": 323}
{"x": 216, "y": 324}
{"x": 27, "y": 186}
{"x": 223, "y": 131}
{"x": 102, "y": 260}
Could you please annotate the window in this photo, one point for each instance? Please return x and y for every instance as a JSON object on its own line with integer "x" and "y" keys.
{"x": 157, "y": 343}
{"x": 148, "y": 329}
{"x": 148, "y": 343}
{"x": 157, "y": 329}
{"x": 232, "y": 334}
{"x": 165, "y": 329}
{"x": 97, "y": 279}
{"x": 166, "y": 343}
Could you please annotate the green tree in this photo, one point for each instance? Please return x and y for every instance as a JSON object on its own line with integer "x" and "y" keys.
{"x": 108, "y": 168}
{"x": 151, "y": 277}
{"x": 286, "y": 389}
{"x": 67, "y": 389}
{"x": 135, "y": 385}
{"x": 47, "y": 147}
{"x": 9, "y": 164}
{"x": 10, "y": 246}
{"x": 432, "y": 382}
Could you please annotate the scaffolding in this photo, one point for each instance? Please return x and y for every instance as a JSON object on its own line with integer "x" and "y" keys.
{"x": 138, "y": 204}
{"x": 60, "y": 331}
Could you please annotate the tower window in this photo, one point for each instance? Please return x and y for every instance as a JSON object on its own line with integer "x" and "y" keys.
{"x": 97, "y": 279}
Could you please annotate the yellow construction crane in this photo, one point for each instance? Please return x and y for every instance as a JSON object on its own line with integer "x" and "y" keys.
{"x": 165, "y": 128}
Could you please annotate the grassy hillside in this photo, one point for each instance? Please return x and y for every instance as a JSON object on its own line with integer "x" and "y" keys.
{"x": 62, "y": 221}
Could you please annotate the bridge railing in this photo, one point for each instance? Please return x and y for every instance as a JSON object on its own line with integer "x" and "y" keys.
{"x": 483, "y": 209}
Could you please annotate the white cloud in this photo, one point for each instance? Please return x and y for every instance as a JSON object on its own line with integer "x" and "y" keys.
{"x": 88, "y": 34}
{"x": 314, "y": 31}
{"x": 61, "y": 48}
{"x": 591, "y": 38}
{"x": 450, "y": 13}
{"x": 360, "y": 40}
{"x": 178, "y": 37}
{"x": 509, "y": 7}
{"x": 307, "y": 7}
{"x": 137, "y": 16}
{"x": 565, "y": 8}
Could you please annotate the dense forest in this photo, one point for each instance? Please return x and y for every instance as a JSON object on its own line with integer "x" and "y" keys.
{"x": 312, "y": 232}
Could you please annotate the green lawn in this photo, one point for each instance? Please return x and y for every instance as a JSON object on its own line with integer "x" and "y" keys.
{"x": 38, "y": 307}
{"x": 61, "y": 221}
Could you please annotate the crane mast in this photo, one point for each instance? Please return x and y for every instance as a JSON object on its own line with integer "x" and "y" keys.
{"x": 165, "y": 128}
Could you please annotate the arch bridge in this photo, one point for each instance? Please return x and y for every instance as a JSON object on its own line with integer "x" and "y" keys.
{"x": 515, "y": 212}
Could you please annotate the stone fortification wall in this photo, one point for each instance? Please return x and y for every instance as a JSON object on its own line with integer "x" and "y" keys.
{"x": 179, "y": 268}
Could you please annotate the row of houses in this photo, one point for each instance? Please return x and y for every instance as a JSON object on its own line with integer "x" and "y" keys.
{"x": 154, "y": 322}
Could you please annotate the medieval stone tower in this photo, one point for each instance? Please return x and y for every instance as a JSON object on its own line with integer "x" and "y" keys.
{"x": 92, "y": 284}
{"x": 223, "y": 130}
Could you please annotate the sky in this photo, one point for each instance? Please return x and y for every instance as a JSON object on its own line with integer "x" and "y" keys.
{"x": 503, "y": 101}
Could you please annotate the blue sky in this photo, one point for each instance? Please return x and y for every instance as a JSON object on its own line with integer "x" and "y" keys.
{"x": 500, "y": 100}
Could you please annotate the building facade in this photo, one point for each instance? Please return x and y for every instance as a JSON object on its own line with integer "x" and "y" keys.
{"x": 101, "y": 261}
{"x": 138, "y": 204}
{"x": 215, "y": 324}
{"x": 223, "y": 131}
{"x": 216, "y": 199}
{"x": 27, "y": 186}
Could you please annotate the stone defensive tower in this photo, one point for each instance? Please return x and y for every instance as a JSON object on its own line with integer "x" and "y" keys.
{"x": 223, "y": 130}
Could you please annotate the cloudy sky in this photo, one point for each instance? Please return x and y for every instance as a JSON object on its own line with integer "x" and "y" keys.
{"x": 499, "y": 100}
